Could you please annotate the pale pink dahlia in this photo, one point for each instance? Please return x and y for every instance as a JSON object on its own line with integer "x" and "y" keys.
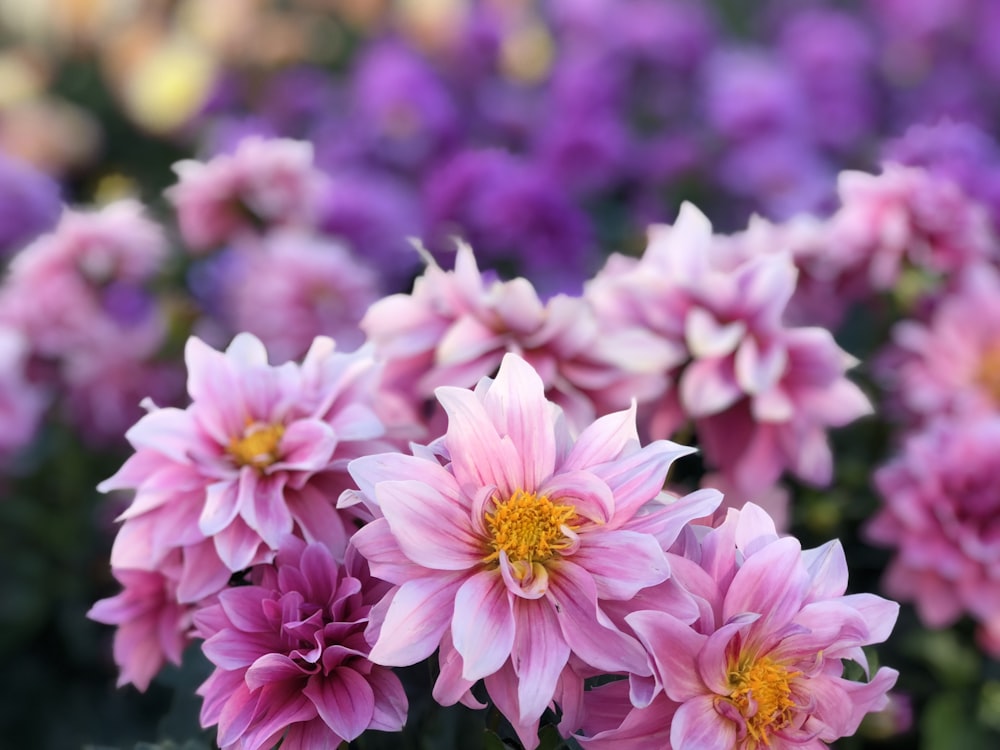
{"x": 942, "y": 516}
{"x": 762, "y": 666}
{"x": 291, "y": 656}
{"x": 504, "y": 540}
{"x": 295, "y": 286}
{"x": 908, "y": 216}
{"x": 260, "y": 452}
{"x": 760, "y": 394}
{"x": 950, "y": 364}
{"x": 264, "y": 182}
{"x": 153, "y": 627}
{"x": 457, "y": 325}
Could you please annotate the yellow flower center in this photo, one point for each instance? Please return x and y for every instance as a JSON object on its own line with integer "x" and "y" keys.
{"x": 259, "y": 445}
{"x": 529, "y": 528}
{"x": 763, "y": 696}
{"x": 988, "y": 375}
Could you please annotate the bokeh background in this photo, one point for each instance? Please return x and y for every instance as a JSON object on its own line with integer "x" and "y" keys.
{"x": 549, "y": 133}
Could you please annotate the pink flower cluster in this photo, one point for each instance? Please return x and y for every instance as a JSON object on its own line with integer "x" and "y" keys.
{"x": 527, "y": 554}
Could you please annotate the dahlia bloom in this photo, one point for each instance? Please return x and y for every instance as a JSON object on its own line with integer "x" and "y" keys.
{"x": 269, "y": 182}
{"x": 291, "y": 659}
{"x": 82, "y": 287}
{"x": 942, "y": 502}
{"x": 760, "y": 394}
{"x": 313, "y": 285}
{"x": 259, "y": 453}
{"x": 153, "y": 627}
{"x": 457, "y": 325}
{"x": 762, "y": 665}
{"x": 950, "y": 364}
{"x": 506, "y": 554}
{"x": 908, "y": 215}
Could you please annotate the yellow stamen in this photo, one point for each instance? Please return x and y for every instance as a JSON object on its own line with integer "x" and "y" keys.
{"x": 259, "y": 445}
{"x": 529, "y": 528}
{"x": 988, "y": 375}
{"x": 763, "y": 695}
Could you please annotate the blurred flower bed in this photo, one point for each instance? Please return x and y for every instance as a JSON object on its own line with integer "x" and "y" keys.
{"x": 769, "y": 235}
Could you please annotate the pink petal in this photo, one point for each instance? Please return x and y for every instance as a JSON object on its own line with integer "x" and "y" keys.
{"x": 666, "y": 522}
{"x": 502, "y": 687}
{"x": 344, "y": 700}
{"x": 170, "y": 432}
{"x": 450, "y": 687}
{"x": 272, "y": 668}
{"x": 674, "y": 647}
{"x": 306, "y": 445}
{"x": 698, "y": 726}
{"x": 516, "y": 404}
{"x": 229, "y": 649}
{"x": 281, "y": 705}
{"x": 237, "y": 546}
{"x": 202, "y": 574}
{"x": 638, "y": 478}
{"x": 221, "y": 507}
{"x": 708, "y": 386}
{"x": 390, "y": 701}
{"x": 242, "y": 606}
{"x": 266, "y": 511}
{"x": 603, "y": 441}
{"x": 828, "y": 571}
{"x": 590, "y": 496}
{"x": 238, "y": 712}
{"x": 419, "y": 613}
{"x": 621, "y": 563}
{"x": 706, "y": 337}
{"x": 385, "y": 559}
{"x": 480, "y": 457}
{"x": 482, "y": 627}
{"x": 368, "y": 471}
{"x": 539, "y": 655}
{"x": 466, "y": 339}
{"x": 431, "y": 530}
{"x": 772, "y": 583}
{"x": 587, "y": 630}
{"x": 213, "y": 383}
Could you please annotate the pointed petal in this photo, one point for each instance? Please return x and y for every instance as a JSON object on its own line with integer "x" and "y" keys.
{"x": 482, "y": 627}
{"x": 419, "y": 613}
{"x": 344, "y": 700}
{"x": 539, "y": 655}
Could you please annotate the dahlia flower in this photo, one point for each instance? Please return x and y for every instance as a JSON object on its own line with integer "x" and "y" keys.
{"x": 505, "y": 550}
{"x": 153, "y": 627}
{"x": 760, "y": 394}
{"x": 942, "y": 500}
{"x": 291, "y": 659}
{"x": 950, "y": 364}
{"x": 259, "y": 453}
{"x": 269, "y": 182}
{"x": 762, "y": 665}
{"x": 313, "y": 285}
{"x": 457, "y": 325}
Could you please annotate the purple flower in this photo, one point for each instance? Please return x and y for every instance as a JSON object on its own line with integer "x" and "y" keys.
{"x": 291, "y": 656}
{"x": 29, "y": 204}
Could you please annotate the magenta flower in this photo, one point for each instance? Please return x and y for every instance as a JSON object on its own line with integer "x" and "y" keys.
{"x": 313, "y": 286}
{"x": 291, "y": 656}
{"x": 942, "y": 505}
{"x": 457, "y": 325}
{"x": 950, "y": 364}
{"x": 269, "y": 182}
{"x": 762, "y": 666}
{"x": 506, "y": 553}
{"x": 153, "y": 627}
{"x": 260, "y": 452}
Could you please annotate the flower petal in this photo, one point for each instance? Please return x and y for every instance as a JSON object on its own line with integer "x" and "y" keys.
{"x": 697, "y": 725}
{"x": 418, "y": 614}
{"x": 344, "y": 700}
{"x": 539, "y": 655}
{"x": 621, "y": 562}
{"x": 482, "y": 627}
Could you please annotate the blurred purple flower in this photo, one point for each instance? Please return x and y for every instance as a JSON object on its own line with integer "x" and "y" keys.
{"x": 30, "y": 204}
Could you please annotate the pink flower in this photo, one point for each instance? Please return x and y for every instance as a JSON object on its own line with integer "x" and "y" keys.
{"x": 760, "y": 394}
{"x": 505, "y": 539}
{"x": 311, "y": 285}
{"x": 152, "y": 626}
{"x": 942, "y": 505}
{"x": 82, "y": 287}
{"x": 762, "y": 665}
{"x": 908, "y": 215}
{"x": 950, "y": 364}
{"x": 269, "y": 182}
{"x": 291, "y": 656}
{"x": 260, "y": 452}
{"x": 456, "y": 327}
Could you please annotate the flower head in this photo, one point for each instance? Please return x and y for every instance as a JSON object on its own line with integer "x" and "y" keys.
{"x": 762, "y": 665}
{"x": 260, "y": 453}
{"x": 290, "y": 656}
{"x": 505, "y": 551}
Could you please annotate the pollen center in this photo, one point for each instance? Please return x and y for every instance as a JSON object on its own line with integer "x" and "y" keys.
{"x": 988, "y": 375}
{"x": 763, "y": 696}
{"x": 259, "y": 445}
{"x": 529, "y": 528}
